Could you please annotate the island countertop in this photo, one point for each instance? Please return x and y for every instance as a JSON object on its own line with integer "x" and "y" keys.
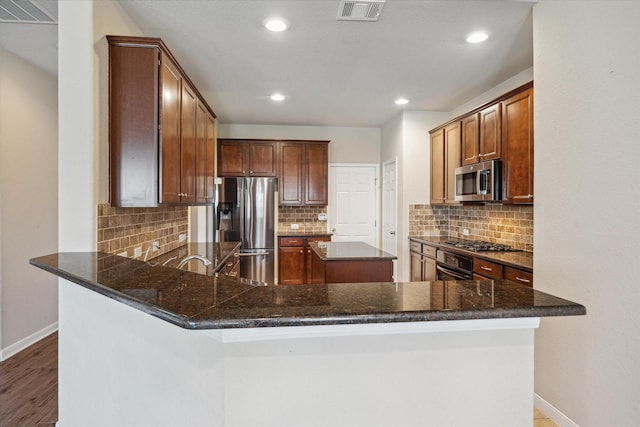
{"x": 333, "y": 251}
{"x": 196, "y": 301}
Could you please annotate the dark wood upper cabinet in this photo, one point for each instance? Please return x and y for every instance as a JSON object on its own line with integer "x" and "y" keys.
{"x": 301, "y": 166}
{"x": 205, "y": 155}
{"x": 490, "y": 129}
{"x": 316, "y": 174}
{"x": 470, "y": 139}
{"x": 498, "y": 130}
{"x": 445, "y": 157}
{"x": 517, "y": 142}
{"x": 247, "y": 158}
{"x": 153, "y": 126}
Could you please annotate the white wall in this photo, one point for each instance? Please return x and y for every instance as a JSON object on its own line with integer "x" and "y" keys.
{"x": 348, "y": 144}
{"x": 406, "y": 137}
{"x": 587, "y": 184}
{"x": 28, "y": 201}
{"x": 496, "y": 91}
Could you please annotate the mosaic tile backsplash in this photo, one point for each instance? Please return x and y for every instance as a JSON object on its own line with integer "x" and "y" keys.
{"x": 306, "y": 217}
{"x": 124, "y": 229}
{"x": 507, "y": 224}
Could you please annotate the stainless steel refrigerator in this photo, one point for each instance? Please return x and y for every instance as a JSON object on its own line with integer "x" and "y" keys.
{"x": 245, "y": 212}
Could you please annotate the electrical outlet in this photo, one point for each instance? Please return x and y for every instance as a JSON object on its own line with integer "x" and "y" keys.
{"x": 182, "y": 237}
{"x": 155, "y": 246}
{"x": 123, "y": 254}
{"x": 322, "y": 217}
{"x": 137, "y": 252}
{"x": 294, "y": 226}
{"x": 465, "y": 231}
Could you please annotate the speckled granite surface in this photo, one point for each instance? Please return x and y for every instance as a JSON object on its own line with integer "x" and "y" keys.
{"x": 517, "y": 259}
{"x": 332, "y": 251}
{"x": 196, "y": 301}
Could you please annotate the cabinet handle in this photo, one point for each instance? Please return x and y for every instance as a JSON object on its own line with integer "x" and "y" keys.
{"x": 301, "y": 251}
{"x": 244, "y": 172}
{"x": 486, "y": 268}
{"x": 292, "y": 241}
{"x": 250, "y": 172}
{"x": 308, "y": 251}
{"x": 522, "y": 279}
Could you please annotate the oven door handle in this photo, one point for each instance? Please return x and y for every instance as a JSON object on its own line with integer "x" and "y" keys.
{"x": 453, "y": 273}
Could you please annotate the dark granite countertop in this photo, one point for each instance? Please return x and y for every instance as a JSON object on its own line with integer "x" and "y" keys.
{"x": 196, "y": 301}
{"x": 517, "y": 259}
{"x": 294, "y": 233}
{"x": 217, "y": 253}
{"x": 349, "y": 251}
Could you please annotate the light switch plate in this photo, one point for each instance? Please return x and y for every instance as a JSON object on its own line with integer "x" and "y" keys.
{"x": 294, "y": 226}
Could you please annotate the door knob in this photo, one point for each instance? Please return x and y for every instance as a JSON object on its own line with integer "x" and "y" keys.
{"x": 393, "y": 233}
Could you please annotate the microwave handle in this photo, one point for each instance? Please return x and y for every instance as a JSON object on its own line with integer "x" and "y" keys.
{"x": 483, "y": 181}
{"x": 479, "y": 178}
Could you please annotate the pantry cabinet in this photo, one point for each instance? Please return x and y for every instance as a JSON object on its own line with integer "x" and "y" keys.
{"x": 445, "y": 157}
{"x": 153, "y": 127}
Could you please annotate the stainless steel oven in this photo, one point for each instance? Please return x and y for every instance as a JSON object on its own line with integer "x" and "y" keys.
{"x": 453, "y": 266}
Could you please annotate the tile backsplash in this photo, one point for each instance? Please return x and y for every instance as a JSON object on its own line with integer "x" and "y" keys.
{"x": 506, "y": 224}
{"x": 124, "y": 229}
{"x": 305, "y": 216}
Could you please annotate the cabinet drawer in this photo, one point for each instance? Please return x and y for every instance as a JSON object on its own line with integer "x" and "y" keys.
{"x": 318, "y": 239}
{"x": 428, "y": 251}
{"x": 292, "y": 241}
{"x": 518, "y": 276}
{"x": 415, "y": 246}
{"x": 487, "y": 268}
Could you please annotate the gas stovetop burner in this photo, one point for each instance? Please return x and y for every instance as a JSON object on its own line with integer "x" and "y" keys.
{"x": 478, "y": 246}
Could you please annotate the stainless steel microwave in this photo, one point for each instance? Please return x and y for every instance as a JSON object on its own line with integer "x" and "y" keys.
{"x": 479, "y": 182}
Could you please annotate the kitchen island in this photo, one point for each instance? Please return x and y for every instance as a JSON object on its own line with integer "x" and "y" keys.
{"x": 349, "y": 262}
{"x": 155, "y": 346}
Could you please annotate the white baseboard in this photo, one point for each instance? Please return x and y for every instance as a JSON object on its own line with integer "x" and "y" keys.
{"x": 552, "y": 412}
{"x": 26, "y": 342}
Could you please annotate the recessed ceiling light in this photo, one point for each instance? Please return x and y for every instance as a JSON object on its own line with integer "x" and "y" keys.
{"x": 402, "y": 101}
{"x": 276, "y": 24}
{"x": 477, "y": 37}
{"x": 277, "y": 97}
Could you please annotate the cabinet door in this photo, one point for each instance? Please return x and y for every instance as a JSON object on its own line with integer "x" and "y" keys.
{"x": 133, "y": 125}
{"x": 316, "y": 173}
{"x": 210, "y": 172}
{"x": 205, "y": 155}
{"x": 291, "y": 265}
{"x": 415, "y": 267}
{"x": 232, "y": 158}
{"x": 429, "y": 272}
{"x": 188, "y": 145}
{"x": 470, "y": 139}
{"x": 437, "y": 168}
{"x": 452, "y": 156}
{"x": 309, "y": 257}
{"x": 517, "y": 139}
{"x": 171, "y": 82}
{"x": 290, "y": 177}
{"x": 262, "y": 159}
{"x": 490, "y": 130}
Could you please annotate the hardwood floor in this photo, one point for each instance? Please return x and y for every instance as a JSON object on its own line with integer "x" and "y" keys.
{"x": 29, "y": 386}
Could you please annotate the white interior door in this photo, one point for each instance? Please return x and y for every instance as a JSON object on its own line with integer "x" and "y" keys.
{"x": 389, "y": 208}
{"x": 353, "y": 203}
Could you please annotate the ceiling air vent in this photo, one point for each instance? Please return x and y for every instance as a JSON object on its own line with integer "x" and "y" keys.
{"x": 365, "y": 10}
{"x": 29, "y": 11}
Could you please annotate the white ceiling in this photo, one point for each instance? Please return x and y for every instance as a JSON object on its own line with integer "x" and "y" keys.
{"x": 336, "y": 73}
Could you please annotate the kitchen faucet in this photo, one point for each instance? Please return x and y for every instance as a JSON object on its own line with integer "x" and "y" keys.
{"x": 185, "y": 260}
{"x": 154, "y": 245}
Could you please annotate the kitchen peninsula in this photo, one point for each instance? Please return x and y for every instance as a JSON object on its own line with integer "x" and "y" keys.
{"x": 152, "y": 345}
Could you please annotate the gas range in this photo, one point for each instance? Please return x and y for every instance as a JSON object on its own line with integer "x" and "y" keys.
{"x": 478, "y": 245}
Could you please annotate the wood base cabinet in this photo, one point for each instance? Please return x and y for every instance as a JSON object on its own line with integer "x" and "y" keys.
{"x": 161, "y": 130}
{"x": 423, "y": 262}
{"x": 294, "y": 258}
